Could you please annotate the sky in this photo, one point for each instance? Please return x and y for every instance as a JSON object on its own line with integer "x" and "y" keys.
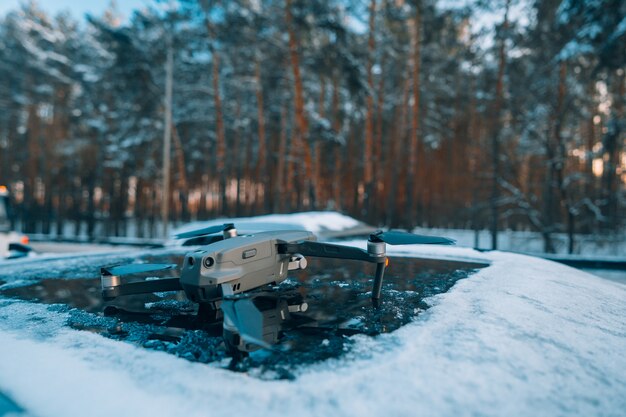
{"x": 77, "y": 7}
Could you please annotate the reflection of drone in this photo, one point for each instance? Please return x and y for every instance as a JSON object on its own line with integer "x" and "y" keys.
{"x": 222, "y": 276}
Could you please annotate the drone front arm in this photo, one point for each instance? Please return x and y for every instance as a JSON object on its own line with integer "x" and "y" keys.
{"x": 112, "y": 287}
{"x": 375, "y": 254}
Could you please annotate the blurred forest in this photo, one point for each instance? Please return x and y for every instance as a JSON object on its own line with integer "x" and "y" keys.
{"x": 496, "y": 115}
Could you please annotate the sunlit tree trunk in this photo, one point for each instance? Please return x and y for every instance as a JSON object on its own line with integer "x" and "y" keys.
{"x": 182, "y": 189}
{"x": 590, "y": 144}
{"x": 220, "y": 151}
{"x": 300, "y": 149}
{"x": 613, "y": 145}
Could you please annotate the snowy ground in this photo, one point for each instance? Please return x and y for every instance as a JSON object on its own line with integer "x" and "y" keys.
{"x": 612, "y": 274}
{"x": 532, "y": 242}
{"x": 322, "y": 223}
{"x": 63, "y": 247}
{"x": 521, "y": 337}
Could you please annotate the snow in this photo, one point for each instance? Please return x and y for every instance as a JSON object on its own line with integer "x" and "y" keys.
{"x": 574, "y": 48}
{"x": 355, "y": 24}
{"x": 612, "y": 274}
{"x": 25, "y": 271}
{"x": 608, "y": 246}
{"x": 523, "y": 336}
{"x": 314, "y": 221}
{"x": 620, "y": 29}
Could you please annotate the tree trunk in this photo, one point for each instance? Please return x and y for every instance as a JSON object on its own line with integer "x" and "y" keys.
{"x": 317, "y": 147}
{"x": 300, "y": 148}
{"x": 613, "y": 143}
{"x": 279, "y": 195}
{"x": 412, "y": 168}
{"x": 369, "y": 117}
{"x": 561, "y": 152}
{"x": 181, "y": 178}
{"x": 378, "y": 195}
{"x": 337, "y": 148}
{"x": 91, "y": 219}
{"x": 495, "y": 133}
{"x": 220, "y": 151}
{"x": 397, "y": 167}
{"x": 261, "y": 173}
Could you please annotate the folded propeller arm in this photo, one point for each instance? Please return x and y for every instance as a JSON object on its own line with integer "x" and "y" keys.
{"x": 325, "y": 250}
{"x": 112, "y": 286}
{"x": 375, "y": 253}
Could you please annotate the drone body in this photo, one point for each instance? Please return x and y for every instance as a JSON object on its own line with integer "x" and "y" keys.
{"x": 226, "y": 277}
{"x": 239, "y": 264}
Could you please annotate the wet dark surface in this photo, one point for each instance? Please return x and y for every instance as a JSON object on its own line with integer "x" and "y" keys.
{"x": 337, "y": 292}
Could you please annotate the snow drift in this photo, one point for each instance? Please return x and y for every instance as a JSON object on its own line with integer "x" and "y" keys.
{"x": 521, "y": 337}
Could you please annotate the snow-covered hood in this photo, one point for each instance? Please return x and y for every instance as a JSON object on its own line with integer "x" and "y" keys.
{"x": 523, "y": 336}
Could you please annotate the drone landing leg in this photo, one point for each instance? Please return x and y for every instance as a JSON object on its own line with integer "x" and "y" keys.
{"x": 378, "y": 282}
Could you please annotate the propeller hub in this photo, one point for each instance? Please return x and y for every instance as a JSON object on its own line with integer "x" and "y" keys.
{"x": 110, "y": 281}
{"x": 376, "y": 248}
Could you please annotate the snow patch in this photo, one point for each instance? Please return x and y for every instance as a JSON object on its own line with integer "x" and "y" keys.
{"x": 314, "y": 221}
{"x": 521, "y": 337}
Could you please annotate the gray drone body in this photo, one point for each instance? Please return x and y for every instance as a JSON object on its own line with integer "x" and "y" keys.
{"x": 240, "y": 264}
{"x": 223, "y": 276}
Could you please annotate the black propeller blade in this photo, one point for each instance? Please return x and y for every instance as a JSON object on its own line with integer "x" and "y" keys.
{"x": 136, "y": 269}
{"x": 205, "y": 231}
{"x": 396, "y": 237}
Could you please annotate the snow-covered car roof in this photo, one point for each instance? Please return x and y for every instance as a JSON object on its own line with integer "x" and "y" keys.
{"x": 522, "y": 336}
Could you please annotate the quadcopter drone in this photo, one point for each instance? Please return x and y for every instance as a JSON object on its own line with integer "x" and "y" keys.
{"x": 232, "y": 278}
